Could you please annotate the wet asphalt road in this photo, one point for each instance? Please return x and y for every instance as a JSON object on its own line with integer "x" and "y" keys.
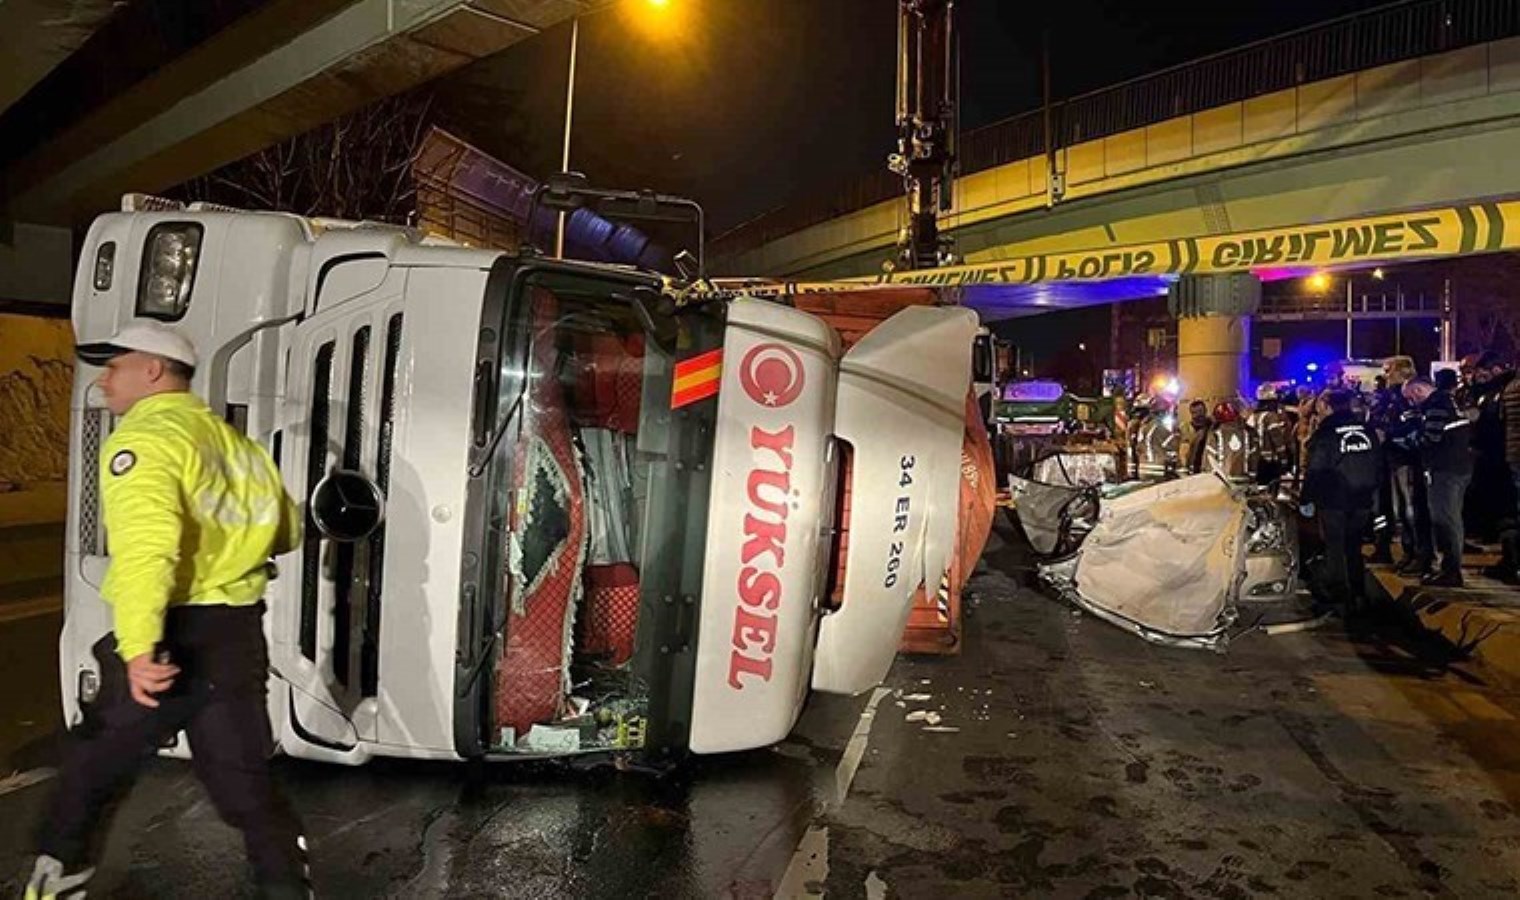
{"x": 1086, "y": 764}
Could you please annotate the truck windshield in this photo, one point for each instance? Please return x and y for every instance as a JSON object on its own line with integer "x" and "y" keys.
{"x": 597, "y": 512}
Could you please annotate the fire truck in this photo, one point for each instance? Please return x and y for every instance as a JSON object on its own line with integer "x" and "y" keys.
{"x": 553, "y": 508}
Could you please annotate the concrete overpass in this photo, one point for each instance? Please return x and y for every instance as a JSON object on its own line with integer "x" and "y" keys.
{"x": 101, "y": 97}
{"x": 1248, "y": 141}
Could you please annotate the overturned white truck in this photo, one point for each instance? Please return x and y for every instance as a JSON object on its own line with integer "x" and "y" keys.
{"x": 553, "y": 508}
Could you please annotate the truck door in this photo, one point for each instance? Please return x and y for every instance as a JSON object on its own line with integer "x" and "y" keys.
{"x": 902, "y": 408}
{"x": 338, "y": 416}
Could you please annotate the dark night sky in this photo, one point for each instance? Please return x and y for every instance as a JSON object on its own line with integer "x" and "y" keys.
{"x": 747, "y": 104}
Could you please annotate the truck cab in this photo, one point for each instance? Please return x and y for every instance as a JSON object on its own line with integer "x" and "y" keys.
{"x": 551, "y": 507}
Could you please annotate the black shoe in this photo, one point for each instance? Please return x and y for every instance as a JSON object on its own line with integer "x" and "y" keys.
{"x": 1329, "y": 610}
{"x": 1442, "y": 579}
{"x": 1416, "y": 567}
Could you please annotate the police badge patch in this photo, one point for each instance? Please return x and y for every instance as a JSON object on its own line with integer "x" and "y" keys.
{"x": 123, "y": 462}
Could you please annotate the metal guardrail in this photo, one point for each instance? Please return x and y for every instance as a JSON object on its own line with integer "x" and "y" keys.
{"x": 1359, "y": 41}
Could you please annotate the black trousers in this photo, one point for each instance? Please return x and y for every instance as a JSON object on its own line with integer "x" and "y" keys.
{"x": 218, "y": 699}
{"x": 1345, "y": 570}
{"x": 1447, "y": 490}
{"x": 1411, "y": 499}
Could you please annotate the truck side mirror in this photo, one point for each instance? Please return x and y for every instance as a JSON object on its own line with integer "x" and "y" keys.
{"x": 346, "y": 506}
{"x": 656, "y": 314}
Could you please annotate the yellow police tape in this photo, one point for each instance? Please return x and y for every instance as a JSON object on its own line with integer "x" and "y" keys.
{"x": 1486, "y": 227}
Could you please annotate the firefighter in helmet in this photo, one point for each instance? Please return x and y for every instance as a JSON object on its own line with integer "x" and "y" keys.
{"x": 1273, "y": 435}
{"x": 1139, "y": 412}
{"x": 1234, "y": 451}
{"x": 1157, "y": 443}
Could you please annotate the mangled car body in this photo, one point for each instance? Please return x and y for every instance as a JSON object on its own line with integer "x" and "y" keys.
{"x": 1170, "y": 561}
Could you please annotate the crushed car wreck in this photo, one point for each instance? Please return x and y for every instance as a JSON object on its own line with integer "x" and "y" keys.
{"x": 1171, "y": 561}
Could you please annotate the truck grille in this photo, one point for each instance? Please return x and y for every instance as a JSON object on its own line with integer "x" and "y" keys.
{"x": 92, "y": 433}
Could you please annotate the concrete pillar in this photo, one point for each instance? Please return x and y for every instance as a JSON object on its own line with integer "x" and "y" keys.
{"x": 1214, "y": 333}
{"x": 1213, "y": 356}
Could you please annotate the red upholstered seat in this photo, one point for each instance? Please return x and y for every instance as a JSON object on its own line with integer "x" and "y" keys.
{"x": 612, "y": 613}
{"x": 548, "y": 547}
{"x": 608, "y": 389}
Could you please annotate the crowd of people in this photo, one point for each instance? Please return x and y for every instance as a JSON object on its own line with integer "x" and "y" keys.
{"x": 1432, "y": 463}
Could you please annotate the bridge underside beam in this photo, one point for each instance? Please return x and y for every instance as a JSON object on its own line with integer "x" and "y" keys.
{"x": 260, "y": 81}
{"x": 37, "y": 35}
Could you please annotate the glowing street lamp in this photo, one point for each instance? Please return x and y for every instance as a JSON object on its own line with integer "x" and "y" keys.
{"x": 1319, "y": 281}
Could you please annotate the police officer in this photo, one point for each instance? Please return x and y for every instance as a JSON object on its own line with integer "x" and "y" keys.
{"x": 1491, "y": 498}
{"x": 1401, "y": 423}
{"x": 1340, "y": 481}
{"x": 193, "y": 511}
{"x": 1445, "y": 437}
{"x": 1234, "y": 451}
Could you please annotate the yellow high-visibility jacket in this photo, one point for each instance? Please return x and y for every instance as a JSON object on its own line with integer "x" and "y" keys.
{"x": 193, "y": 512}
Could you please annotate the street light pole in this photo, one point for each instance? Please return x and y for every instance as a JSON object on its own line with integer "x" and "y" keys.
{"x": 564, "y": 164}
{"x": 1349, "y": 315}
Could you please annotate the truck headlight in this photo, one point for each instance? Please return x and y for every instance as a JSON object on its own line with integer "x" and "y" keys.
{"x": 168, "y": 270}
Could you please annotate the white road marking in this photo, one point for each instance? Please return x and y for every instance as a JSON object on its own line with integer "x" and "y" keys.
{"x": 809, "y": 867}
{"x": 844, "y": 775}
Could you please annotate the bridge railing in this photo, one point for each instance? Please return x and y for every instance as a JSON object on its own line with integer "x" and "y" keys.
{"x": 1392, "y": 304}
{"x": 1353, "y": 43}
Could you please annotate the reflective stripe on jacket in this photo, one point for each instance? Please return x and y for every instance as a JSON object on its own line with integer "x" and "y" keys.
{"x": 1234, "y": 452}
{"x": 1273, "y": 435}
{"x": 193, "y": 511}
{"x": 1156, "y": 449}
